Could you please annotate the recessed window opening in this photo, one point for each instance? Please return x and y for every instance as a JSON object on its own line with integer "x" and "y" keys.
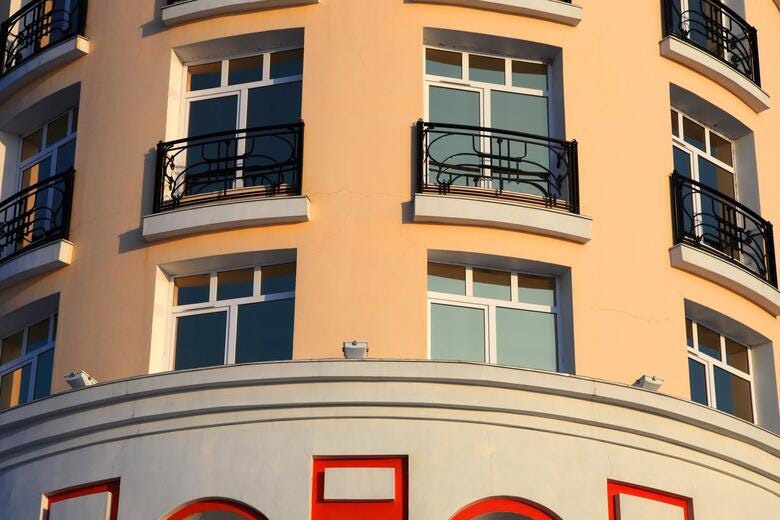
{"x": 493, "y": 316}
{"x": 236, "y": 316}
{"x": 720, "y": 371}
{"x": 26, "y": 362}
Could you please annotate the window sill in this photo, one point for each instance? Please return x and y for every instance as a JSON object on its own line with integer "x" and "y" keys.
{"x": 553, "y": 10}
{"x": 36, "y": 261}
{"x": 712, "y": 268}
{"x": 189, "y": 10}
{"x": 230, "y": 215}
{"x": 678, "y": 50}
{"x": 506, "y": 215}
{"x": 48, "y": 60}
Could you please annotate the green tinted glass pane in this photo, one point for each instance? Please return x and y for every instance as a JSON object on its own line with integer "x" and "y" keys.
{"x": 492, "y": 284}
{"x": 208, "y": 75}
{"x": 14, "y": 387}
{"x": 721, "y": 149}
{"x": 487, "y": 69}
{"x": 450, "y": 105}
{"x": 200, "y": 340}
{"x": 31, "y": 144}
{"x": 191, "y": 289}
{"x": 526, "y": 339}
{"x": 235, "y": 284}
{"x": 57, "y": 130}
{"x": 520, "y": 113}
{"x": 447, "y": 278}
{"x": 43, "y": 376}
{"x": 737, "y": 356}
{"x": 278, "y": 278}
{"x": 457, "y": 333}
{"x": 245, "y": 70}
{"x": 732, "y": 394}
{"x": 709, "y": 342}
{"x": 698, "y": 380}
{"x": 693, "y": 133}
{"x": 449, "y": 153}
{"x": 38, "y": 335}
{"x": 287, "y": 63}
{"x": 443, "y": 63}
{"x": 11, "y": 347}
{"x": 536, "y": 290}
{"x": 265, "y": 331}
{"x": 529, "y": 75}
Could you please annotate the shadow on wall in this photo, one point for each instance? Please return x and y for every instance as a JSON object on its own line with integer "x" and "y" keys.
{"x": 153, "y": 26}
{"x": 134, "y": 239}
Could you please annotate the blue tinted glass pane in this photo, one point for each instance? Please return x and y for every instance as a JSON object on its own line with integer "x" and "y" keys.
{"x": 38, "y": 335}
{"x": 274, "y": 105}
{"x": 200, "y": 340}
{"x": 457, "y": 333}
{"x": 277, "y": 278}
{"x": 526, "y": 339}
{"x": 492, "y": 284}
{"x": 716, "y": 177}
{"x": 204, "y": 76}
{"x": 43, "y": 376}
{"x": 287, "y": 63}
{"x": 709, "y": 342}
{"x": 447, "y": 278}
{"x": 486, "y": 69}
{"x": 235, "y": 284}
{"x": 208, "y": 116}
{"x": 191, "y": 289}
{"x": 698, "y": 380}
{"x": 694, "y": 134}
{"x": 732, "y": 394}
{"x": 265, "y": 331}
{"x": 443, "y": 63}
{"x": 245, "y": 70}
{"x": 66, "y": 155}
{"x": 682, "y": 162}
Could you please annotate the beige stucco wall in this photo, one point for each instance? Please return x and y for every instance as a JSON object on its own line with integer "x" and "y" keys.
{"x": 361, "y": 262}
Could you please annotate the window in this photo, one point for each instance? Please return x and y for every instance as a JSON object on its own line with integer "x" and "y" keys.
{"x": 237, "y": 316}
{"x": 89, "y": 501}
{"x": 216, "y": 509}
{"x": 631, "y": 501}
{"x": 720, "y": 371}
{"x": 229, "y": 98}
{"x": 48, "y": 150}
{"x": 26, "y": 361}
{"x": 503, "y": 508}
{"x": 491, "y": 316}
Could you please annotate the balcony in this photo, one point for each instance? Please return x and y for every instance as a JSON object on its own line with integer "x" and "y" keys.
{"x": 713, "y": 39}
{"x": 707, "y": 226}
{"x": 498, "y": 178}
{"x": 561, "y": 11}
{"x": 225, "y": 180}
{"x": 41, "y": 36}
{"x": 181, "y": 11}
{"x": 34, "y": 228}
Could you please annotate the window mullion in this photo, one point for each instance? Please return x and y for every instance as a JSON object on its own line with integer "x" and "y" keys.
{"x": 491, "y": 335}
{"x": 469, "y": 282}
{"x": 213, "y": 287}
{"x": 232, "y": 332}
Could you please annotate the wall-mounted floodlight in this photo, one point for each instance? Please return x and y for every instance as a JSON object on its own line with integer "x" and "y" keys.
{"x": 649, "y": 383}
{"x": 355, "y": 349}
{"x": 79, "y": 379}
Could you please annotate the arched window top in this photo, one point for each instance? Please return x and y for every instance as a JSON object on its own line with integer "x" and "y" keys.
{"x": 216, "y": 509}
{"x": 503, "y": 508}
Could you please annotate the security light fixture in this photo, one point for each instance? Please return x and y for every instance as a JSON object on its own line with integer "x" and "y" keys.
{"x": 649, "y": 383}
{"x": 80, "y": 379}
{"x": 355, "y": 349}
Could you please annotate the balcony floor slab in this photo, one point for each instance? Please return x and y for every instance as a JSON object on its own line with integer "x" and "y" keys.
{"x": 37, "y": 261}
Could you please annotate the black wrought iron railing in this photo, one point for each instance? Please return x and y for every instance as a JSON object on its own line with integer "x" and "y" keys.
{"x": 709, "y": 220}
{"x": 36, "y": 216}
{"x": 255, "y": 162}
{"x": 37, "y": 26}
{"x": 717, "y": 30}
{"x": 489, "y": 162}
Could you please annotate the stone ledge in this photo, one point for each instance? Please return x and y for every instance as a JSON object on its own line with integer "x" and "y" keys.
{"x": 552, "y": 10}
{"x": 189, "y": 10}
{"x": 37, "y": 261}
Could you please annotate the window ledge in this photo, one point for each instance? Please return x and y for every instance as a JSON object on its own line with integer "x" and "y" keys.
{"x": 48, "y": 60}
{"x": 36, "y": 261}
{"x": 682, "y": 52}
{"x": 447, "y": 209}
{"x": 229, "y": 215}
{"x": 553, "y": 10}
{"x": 189, "y": 10}
{"x": 716, "y": 270}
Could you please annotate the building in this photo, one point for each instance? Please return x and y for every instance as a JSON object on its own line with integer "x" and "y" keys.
{"x": 521, "y": 206}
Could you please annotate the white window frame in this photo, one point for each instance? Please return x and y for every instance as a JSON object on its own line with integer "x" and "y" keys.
{"x": 490, "y": 305}
{"x": 710, "y": 363}
{"x": 31, "y": 357}
{"x": 229, "y": 306}
{"x": 695, "y": 153}
{"x": 46, "y": 151}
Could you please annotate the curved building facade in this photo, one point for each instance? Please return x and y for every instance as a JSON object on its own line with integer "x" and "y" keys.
{"x": 540, "y": 231}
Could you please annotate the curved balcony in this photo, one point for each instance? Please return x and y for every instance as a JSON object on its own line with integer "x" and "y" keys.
{"x": 719, "y": 226}
{"x": 500, "y": 178}
{"x": 182, "y": 11}
{"x": 34, "y": 228}
{"x": 34, "y": 40}
{"x": 230, "y": 179}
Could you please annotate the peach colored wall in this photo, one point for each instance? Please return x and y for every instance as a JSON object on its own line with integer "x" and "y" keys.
{"x": 361, "y": 263}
